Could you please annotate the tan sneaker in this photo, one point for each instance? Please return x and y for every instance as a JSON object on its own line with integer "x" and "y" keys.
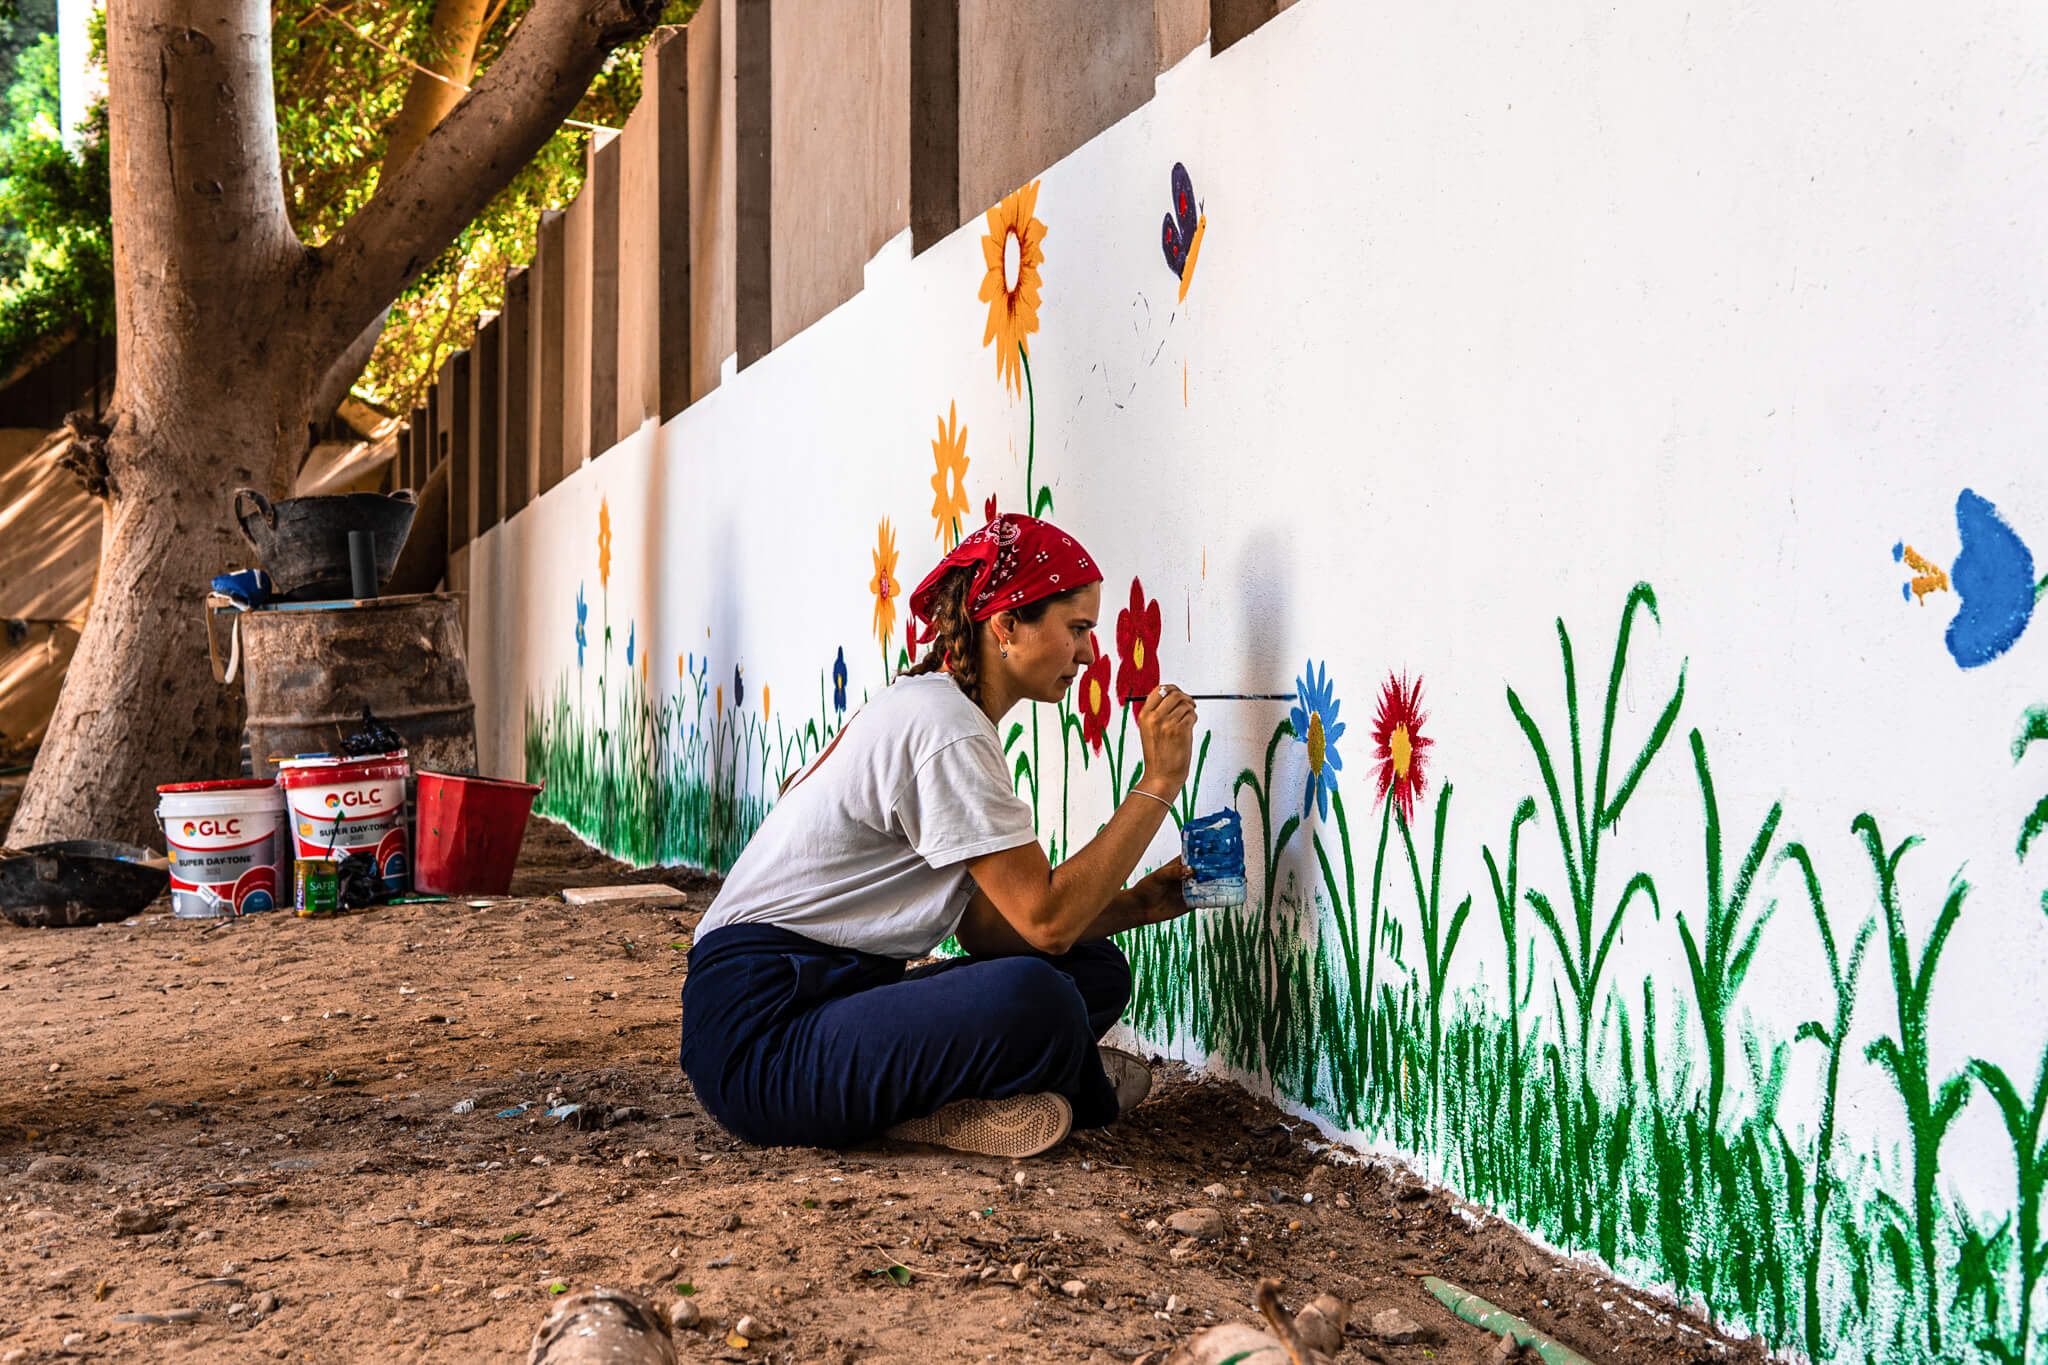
{"x": 1020, "y": 1126}
{"x": 1129, "y": 1074}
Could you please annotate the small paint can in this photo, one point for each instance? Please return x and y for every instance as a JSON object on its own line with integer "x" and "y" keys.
{"x": 316, "y": 887}
{"x": 1213, "y": 848}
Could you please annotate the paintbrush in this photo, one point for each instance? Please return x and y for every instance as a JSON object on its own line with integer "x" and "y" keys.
{"x": 1222, "y": 696}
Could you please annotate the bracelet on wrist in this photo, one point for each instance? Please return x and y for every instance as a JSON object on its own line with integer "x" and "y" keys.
{"x": 1140, "y": 791}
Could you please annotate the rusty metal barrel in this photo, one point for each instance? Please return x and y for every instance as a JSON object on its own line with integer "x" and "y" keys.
{"x": 308, "y": 674}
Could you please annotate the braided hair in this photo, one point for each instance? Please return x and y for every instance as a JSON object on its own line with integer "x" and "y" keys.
{"x": 956, "y": 635}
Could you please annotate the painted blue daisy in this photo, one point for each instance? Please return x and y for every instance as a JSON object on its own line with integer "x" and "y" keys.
{"x": 839, "y": 681}
{"x": 1315, "y": 722}
{"x": 629, "y": 644}
{"x": 582, "y": 615}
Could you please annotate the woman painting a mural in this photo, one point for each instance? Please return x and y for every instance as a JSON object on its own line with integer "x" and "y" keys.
{"x": 803, "y": 1023}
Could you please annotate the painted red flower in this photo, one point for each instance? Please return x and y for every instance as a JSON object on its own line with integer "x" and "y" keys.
{"x": 988, "y": 508}
{"x": 1095, "y": 698}
{"x": 1137, "y": 647}
{"x": 1400, "y": 744}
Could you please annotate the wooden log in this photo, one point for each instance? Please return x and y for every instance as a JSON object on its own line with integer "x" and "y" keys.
{"x": 611, "y": 1326}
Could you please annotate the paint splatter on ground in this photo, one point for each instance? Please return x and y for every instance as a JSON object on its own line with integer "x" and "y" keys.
{"x": 282, "y": 1094}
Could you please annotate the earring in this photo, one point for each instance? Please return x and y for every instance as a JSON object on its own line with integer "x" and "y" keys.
{"x": 1006, "y": 651}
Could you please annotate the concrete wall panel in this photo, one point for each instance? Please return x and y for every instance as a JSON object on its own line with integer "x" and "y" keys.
{"x": 515, "y": 366}
{"x": 1038, "y": 80}
{"x": 840, "y": 158}
{"x": 713, "y": 178}
{"x": 452, "y": 398}
{"x": 654, "y": 239}
{"x": 1231, "y": 20}
{"x": 547, "y": 419}
{"x": 1178, "y": 26}
{"x": 579, "y": 268}
{"x": 753, "y": 194}
{"x": 601, "y": 187}
{"x": 487, "y": 452}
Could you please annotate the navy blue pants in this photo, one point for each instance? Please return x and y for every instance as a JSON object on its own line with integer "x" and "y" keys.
{"x": 789, "y": 1042}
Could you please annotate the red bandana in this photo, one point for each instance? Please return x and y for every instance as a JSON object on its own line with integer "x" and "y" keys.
{"x": 1016, "y": 560}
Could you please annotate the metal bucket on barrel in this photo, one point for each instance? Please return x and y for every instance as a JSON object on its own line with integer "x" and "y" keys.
{"x": 309, "y": 672}
{"x": 303, "y": 542}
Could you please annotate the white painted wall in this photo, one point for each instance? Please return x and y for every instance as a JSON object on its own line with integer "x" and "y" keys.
{"x": 1498, "y": 312}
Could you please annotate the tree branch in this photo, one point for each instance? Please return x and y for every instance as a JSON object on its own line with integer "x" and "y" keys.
{"x": 474, "y": 152}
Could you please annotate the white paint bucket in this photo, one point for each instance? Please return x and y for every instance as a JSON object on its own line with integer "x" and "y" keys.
{"x": 349, "y": 805}
{"x": 226, "y": 841}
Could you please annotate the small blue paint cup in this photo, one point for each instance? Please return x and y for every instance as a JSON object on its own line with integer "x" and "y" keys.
{"x": 1213, "y": 849}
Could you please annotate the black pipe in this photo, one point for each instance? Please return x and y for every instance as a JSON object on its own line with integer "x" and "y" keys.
{"x": 362, "y": 563}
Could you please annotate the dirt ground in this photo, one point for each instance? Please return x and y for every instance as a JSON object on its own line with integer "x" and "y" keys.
{"x": 328, "y": 1141}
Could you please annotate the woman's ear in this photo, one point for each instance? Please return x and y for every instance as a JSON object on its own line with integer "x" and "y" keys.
{"x": 1002, "y": 626}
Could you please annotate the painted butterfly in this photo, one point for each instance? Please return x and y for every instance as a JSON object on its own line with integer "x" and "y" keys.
{"x": 1181, "y": 232}
{"x": 1177, "y": 233}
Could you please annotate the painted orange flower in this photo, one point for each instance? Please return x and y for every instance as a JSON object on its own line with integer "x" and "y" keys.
{"x": 604, "y": 542}
{"x": 1012, "y": 299}
{"x": 764, "y": 701}
{"x": 1397, "y": 736}
{"x": 885, "y": 585}
{"x": 949, "y": 479}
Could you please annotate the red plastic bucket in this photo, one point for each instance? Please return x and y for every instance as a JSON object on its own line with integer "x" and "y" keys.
{"x": 470, "y": 829}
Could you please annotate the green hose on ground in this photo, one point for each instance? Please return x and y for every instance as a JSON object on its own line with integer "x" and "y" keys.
{"x": 1499, "y": 1321}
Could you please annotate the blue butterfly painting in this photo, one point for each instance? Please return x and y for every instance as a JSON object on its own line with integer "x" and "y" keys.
{"x": 1181, "y": 232}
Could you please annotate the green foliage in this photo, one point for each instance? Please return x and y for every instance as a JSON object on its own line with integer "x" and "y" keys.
{"x": 337, "y": 94}
{"x": 56, "y": 241}
{"x": 339, "y": 84}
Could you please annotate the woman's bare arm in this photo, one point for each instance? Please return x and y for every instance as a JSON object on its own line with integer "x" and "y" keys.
{"x": 1051, "y": 909}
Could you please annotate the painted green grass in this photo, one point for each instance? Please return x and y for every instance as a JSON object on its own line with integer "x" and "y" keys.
{"x": 663, "y": 782}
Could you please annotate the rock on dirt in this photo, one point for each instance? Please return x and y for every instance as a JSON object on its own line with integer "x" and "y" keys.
{"x": 1395, "y": 1328}
{"x": 1204, "y": 1224}
{"x": 137, "y": 1222}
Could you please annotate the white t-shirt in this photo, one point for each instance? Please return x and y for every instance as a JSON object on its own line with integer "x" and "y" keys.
{"x": 868, "y": 849}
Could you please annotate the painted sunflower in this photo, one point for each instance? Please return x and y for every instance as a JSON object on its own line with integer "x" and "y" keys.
{"x": 1012, "y": 302}
{"x": 1137, "y": 647}
{"x": 885, "y": 585}
{"x": 1315, "y": 722}
{"x": 1095, "y": 698}
{"x": 1400, "y": 744}
{"x": 949, "y": 479}
{"x": 604, "y": 543}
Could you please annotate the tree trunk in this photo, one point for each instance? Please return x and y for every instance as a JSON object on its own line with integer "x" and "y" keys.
{"x": 202, "y": 248}
{"x": 225, "y": 322}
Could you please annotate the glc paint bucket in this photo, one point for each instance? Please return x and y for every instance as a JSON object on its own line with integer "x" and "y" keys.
{"x": 226, "y": 841}
{"x": 339, "y": 806}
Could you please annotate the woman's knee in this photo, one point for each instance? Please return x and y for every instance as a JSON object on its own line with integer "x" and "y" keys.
{"x": 1029, "y": 994}
{"x": 1103, "y": 974}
